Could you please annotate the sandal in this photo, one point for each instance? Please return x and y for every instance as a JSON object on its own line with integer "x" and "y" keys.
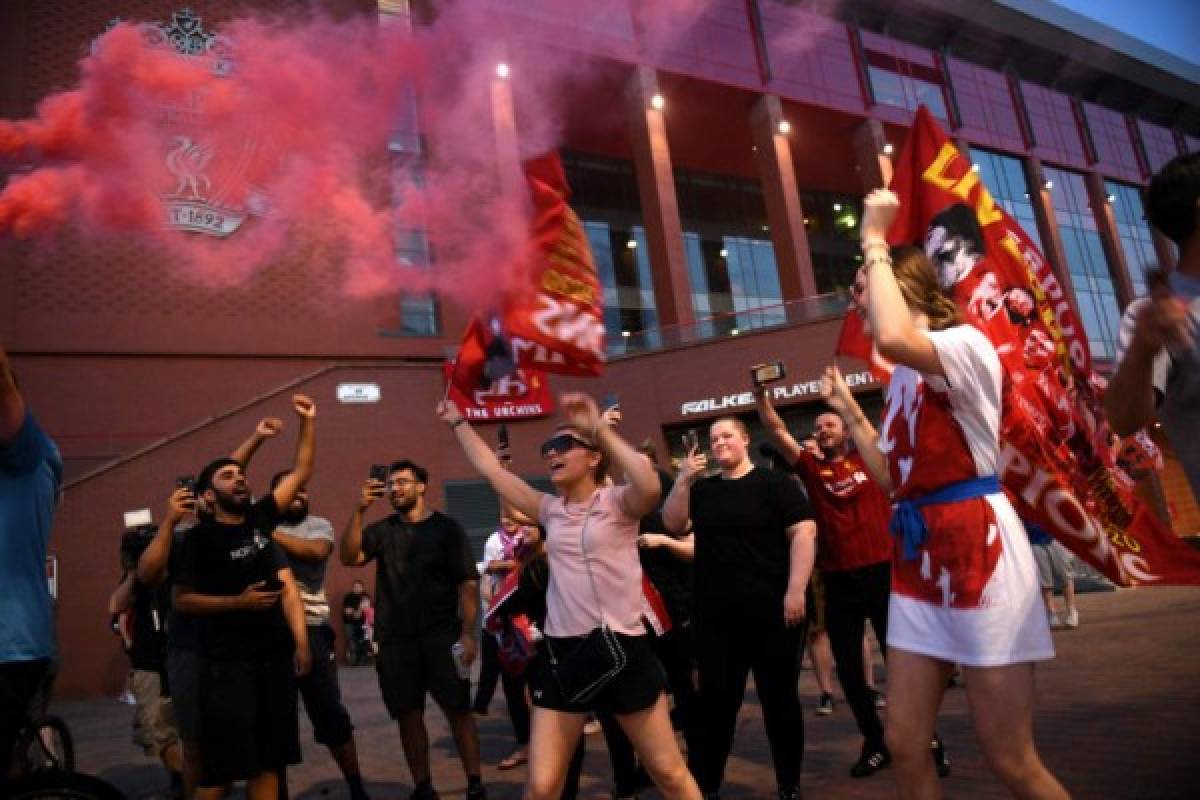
{"x": 512, "y": 762}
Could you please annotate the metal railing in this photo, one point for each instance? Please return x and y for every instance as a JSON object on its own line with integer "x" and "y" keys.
{"x": 718, "y": 326}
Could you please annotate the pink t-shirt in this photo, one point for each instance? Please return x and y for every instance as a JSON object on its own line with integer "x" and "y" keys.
{"x": 611, "y": 541}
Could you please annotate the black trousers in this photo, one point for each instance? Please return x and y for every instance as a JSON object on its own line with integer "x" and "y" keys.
{"x": 852, "y": 597}
{"x": 490, "y": 672}
{"x": 19, "y": 681}
{"x": 731, "y": 644}
{"x": 321, "y": 693}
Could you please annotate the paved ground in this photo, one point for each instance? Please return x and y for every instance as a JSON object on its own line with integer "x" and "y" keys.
{"x": 1118, "y": 717}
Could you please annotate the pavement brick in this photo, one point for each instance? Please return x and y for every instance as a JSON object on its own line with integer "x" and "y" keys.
{"x": 1118, "y": 717}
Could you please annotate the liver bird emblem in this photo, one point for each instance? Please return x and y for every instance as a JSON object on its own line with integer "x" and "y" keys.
{"x": 187, "y": 162}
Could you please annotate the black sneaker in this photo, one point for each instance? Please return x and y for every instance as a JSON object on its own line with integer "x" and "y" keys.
{"x": 424, "y": 791}
{"x": 476, "y": 791}
{"x": 825, "y": 705}
{"x": 791, "y": 794}
{"x": 938, "y": 750}
{"x": 870, "y": 762}
{"x": 877, "y": 698}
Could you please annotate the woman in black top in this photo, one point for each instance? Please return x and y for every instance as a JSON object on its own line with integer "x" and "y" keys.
{"x": 754, "y": 543}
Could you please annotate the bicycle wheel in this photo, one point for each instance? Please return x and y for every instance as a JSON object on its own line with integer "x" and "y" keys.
{"x": 55, "y": 784}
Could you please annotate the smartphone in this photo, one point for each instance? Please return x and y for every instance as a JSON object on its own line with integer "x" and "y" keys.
{"x": 379, "y": 472}
{"x": 691, "y": 441}
{"x": 611, "y": 401}
{"x": 502, "y": 437}
{"x": 272, "y": 584}
{"x": 186, "y": 482}
{"x": 762, "y": 374}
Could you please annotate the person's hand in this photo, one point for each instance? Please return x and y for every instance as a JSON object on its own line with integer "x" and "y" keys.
{"x": 793, "y": 606}
{"x": 181, "y": 503}
{"x": 834, "y": 390}
{"x": 372, "y": 490}
{"x": 813, "y": 449}
{"x": 879, "y": 211}
{"x": 612, "y": 417}
{"x": 651, "y": 541}
{"x": 470, "y": 650}
{"x": 304, "y": 406}
{"x": 256, "y": 598}
{"x": 692, "y": 466}
{"x": 581, "y": 411}
{"x": 448, "y": 412}
{"x": 1164, "y": 322}
{"x": 269, "y": 426}
{"x": 302, "y": 660}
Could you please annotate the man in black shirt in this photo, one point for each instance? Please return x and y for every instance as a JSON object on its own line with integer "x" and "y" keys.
{"x": 424, "y": 573}
{"x": 754, "y": 543}
{"x": 252, "y": 633}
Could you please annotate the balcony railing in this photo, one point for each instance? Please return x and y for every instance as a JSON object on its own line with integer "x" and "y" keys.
{"x": 718, "y": 326}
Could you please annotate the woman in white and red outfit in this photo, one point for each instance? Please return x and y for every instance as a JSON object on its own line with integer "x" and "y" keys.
{"x": 964, "y": 582}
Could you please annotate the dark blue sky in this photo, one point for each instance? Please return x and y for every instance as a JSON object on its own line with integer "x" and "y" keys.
{"x": 1171, "y": 25}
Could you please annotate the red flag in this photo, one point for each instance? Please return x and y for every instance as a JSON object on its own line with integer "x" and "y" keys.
{"x": 853, "y": 341}
{"x": 1055, "y": 460}
{"x": 487, "y": 386}
{"x": 555, "y": 316}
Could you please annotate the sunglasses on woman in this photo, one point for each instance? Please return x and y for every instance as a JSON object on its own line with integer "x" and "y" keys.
{"x": 562, "y": 443}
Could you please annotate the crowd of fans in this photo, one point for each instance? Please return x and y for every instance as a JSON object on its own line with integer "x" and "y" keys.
{"x": 642, "y": 595}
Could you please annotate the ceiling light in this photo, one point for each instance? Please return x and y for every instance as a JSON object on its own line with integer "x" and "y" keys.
{"x": 888, "y": 149}
{"x": 733, "y": 332}
{"x": 658, "y": 102}
{"x": 724, "y": 253}
{"x": 785, "y": 127}
{"x": 624, "y": 334}
{"x": 631, "y": 244}
{"x": 1047, "y": 184}
{"x": 975, "y": 168}
{"x": 502, "y": 70}
{"x": 837, "y": 207}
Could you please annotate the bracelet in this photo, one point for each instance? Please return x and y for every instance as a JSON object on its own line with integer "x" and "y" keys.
{"x": 877, "y": 260}
{"x": 457, "y": 422}
{"x": 875, "y": 244}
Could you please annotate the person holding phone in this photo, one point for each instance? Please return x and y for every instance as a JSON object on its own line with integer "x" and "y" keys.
{"x": 427, "y": 591}
{"x": 252, "y": 637}
{"x": 754, "y": 542}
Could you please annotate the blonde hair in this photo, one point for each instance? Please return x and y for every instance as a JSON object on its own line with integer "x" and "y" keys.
{"x": 601, "y": 470}
{"x": 918, "y": 280}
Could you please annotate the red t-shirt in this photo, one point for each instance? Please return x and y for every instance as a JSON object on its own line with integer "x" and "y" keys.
{"x": 852, "y": 512}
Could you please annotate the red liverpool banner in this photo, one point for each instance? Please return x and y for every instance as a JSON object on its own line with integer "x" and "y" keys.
{"x": 1056, "y": 460}
{"x": 555, "y": 314}
{"x": 487, "y": 386}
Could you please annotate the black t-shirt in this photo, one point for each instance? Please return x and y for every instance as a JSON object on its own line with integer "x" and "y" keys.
{"x": 742, "y": 549}
{"x": 671, "y": 575}
{"x": 419, "y": 569}
{"x": 223, "y": 560}
{"x": 150, "y": 612}
{"x": 351, "y": 602}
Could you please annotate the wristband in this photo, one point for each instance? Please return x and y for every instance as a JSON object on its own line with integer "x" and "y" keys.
{"x": 457, "y": 422}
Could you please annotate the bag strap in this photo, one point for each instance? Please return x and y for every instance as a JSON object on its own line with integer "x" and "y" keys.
{"x": 587, "y": 562}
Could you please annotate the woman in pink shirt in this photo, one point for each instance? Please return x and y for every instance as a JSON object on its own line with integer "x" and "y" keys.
{"x": 595, "y": 580}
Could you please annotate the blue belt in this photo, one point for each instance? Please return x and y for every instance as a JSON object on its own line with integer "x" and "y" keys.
{"x": 908, "y": 524}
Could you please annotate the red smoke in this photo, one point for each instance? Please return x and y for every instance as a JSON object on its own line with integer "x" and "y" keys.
{"x": 296, "y": 137}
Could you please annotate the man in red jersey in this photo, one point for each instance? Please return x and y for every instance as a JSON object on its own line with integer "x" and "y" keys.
{"x": 854, "y": 554}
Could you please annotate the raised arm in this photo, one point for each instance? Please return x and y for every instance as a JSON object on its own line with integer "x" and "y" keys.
{"x": 306, "y": 447}
{"x": 837, "y": 394}
{"x": 267, "y": 428}
{"x": 311, "y": 550}
{"x": 776, "y": 429}
{"x": 512, "y": 490}
{"x": 683, "y": 548}
{"x": 152, "y": 565}
{"x": 1160, "y": 322}
{"x": 643, "y": 489}
{"x": 896, "y": 337}
{"x": 12, "y": 405}
{"x": 675, "y": 513}
{"x": 350, "y": 551}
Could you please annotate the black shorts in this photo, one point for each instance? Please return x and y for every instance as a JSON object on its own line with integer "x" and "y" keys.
{"x": 247, "y": 718}
{"x": 320, "y": 691}
{"x": 636, "y": 688}
{"x": 408, "y": 668}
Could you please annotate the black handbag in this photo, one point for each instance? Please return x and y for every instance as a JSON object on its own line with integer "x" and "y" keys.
{"x": 582, "y": 670}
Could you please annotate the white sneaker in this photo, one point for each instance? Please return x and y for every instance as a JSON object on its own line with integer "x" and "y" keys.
{"x": 1072, "y": 620}
{"x": 127, "y": 698}
{"x": 1056, "y": 622}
